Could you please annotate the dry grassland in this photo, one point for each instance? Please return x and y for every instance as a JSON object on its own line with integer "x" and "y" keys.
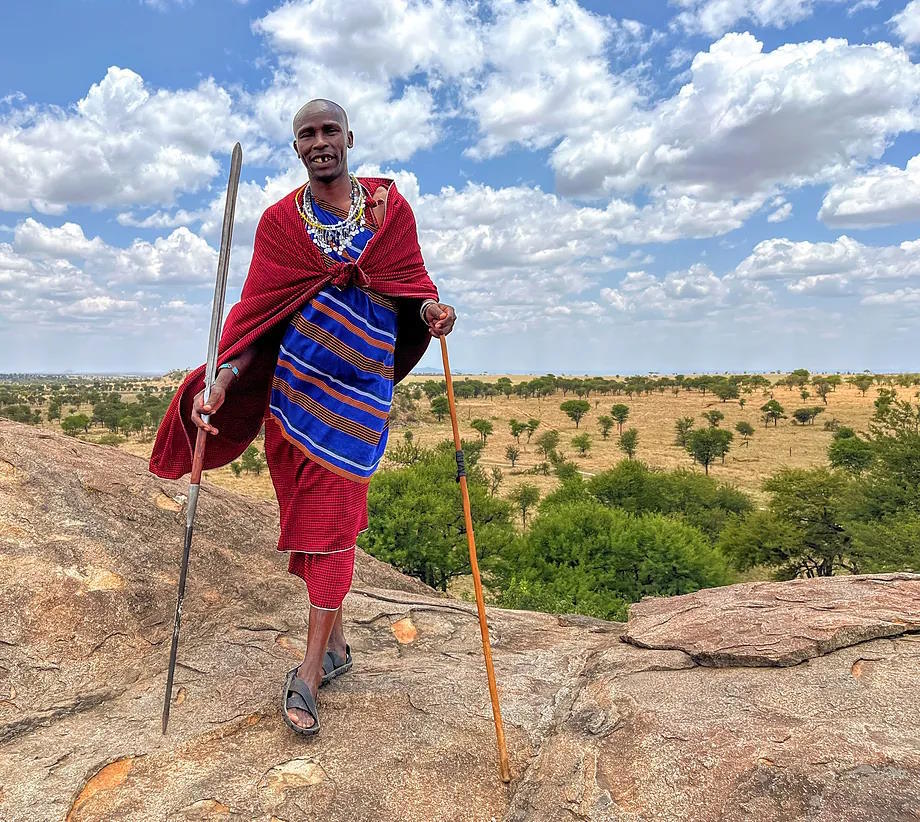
{"x": 770, "y": 449}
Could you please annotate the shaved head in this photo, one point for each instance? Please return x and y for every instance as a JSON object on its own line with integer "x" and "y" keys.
{"x": 321, "y": 106}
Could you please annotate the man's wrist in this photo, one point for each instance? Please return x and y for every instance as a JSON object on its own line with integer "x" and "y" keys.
{"x": 424, "y": 308}
{"x": 227, "y": 374}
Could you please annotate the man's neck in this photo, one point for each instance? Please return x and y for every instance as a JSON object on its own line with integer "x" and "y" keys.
{"x": 337, "y": 191}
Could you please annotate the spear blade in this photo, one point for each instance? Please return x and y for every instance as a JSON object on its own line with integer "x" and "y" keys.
{"x": 210, "y": 374}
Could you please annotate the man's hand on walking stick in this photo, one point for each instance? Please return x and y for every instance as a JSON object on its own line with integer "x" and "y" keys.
{"x": 440, "y": 318}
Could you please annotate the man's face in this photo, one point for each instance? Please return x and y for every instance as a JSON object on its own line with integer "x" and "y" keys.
{"x": 322, "y": 140}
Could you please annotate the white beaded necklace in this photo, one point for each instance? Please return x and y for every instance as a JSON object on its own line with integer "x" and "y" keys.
{"x": 335, "y": 237}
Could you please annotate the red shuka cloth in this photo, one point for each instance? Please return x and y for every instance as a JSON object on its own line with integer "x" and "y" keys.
{"x": 287, "y": 270}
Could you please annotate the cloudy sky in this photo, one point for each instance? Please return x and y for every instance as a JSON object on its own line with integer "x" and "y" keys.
{"x": 615, "y": 187}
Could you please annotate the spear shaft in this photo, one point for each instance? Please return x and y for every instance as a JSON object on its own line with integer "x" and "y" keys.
{"x": 210, "y": 374}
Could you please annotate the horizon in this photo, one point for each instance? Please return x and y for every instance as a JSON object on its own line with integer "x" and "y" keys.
{"x": 426, "y": 372}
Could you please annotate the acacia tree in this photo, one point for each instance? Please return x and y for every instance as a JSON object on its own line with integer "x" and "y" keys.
{"x": 620, "y": 413}
{"x": 414, "y": 519}
{"x": 512, "y": 452}
{"x": 772, "y": 412}
{"x": 583, "y": 443}
{"x": 822, "y": 389}
{"x": 440, "y": 406}
{"x": 862, "y": 381}
{"x": 495, "y": 480}
{"x": 705, "y": 444}
{"x": 524, "y": 497}
{"x": 517, "y": 428}
{"x": 713, "y": 418}
{"x": 532, "y": 426}
{"x": 629, "y": 441}
{"x": 802, "y": 532}
{"x": 74, "y": 423}
{"x": 484, "y": 427}
{"x": 575, "y": 409}
{"x": 682, "y": 429}
{"x": 806, "y": 416}
{"x": 851, "y": 454}
{"x": 605, "y": 423}
{"x": 726, "y": 390}
{"x": 547, "y": 442}
{"x": 746, "y": 430}
{"x": 252, "y": 461}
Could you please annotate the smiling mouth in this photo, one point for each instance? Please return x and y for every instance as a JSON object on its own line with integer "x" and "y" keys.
{"x": 322, "y": 159}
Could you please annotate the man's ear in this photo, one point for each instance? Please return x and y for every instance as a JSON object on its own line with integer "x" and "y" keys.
{"x": 351, "y": 139}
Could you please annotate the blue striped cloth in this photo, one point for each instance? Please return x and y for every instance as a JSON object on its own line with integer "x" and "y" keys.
{"x": 333, "y": 384}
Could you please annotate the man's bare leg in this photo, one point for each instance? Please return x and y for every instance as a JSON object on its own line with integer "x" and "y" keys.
{"x": 325, "y": 630}
{"x": 337, "y": 637}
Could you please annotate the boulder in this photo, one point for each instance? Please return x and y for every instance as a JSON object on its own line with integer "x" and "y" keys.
{"x": 779, "y": 701}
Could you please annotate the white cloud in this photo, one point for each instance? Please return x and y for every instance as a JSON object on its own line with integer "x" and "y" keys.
{"x": 179, "y": 258}
{"x": 123, "y": 143}
{"x": 58, "y": 279}
{"x": 715, "y": 17}
{"x": 549, "y": 76}
{"x": 906, "y": 23}
{"x": 884, "y": 195}
{"x": 841, "y": 268}
{"x": 377, "y": 38}
{"x": 94, "y": 307}
{"x": 898, "y": 297}
{"x": 822, "y": 285}
{"x": 354, "y": 54}
{"x": 687, "y": 295}
{"x": 750, "y": 120}
{"x": 782, "y": 213}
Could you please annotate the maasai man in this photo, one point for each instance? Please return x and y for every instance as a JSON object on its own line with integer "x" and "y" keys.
{"x": 336, "y": 308}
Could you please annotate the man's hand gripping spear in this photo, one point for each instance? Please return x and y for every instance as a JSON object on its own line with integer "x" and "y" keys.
{"x": 217, "y": 313}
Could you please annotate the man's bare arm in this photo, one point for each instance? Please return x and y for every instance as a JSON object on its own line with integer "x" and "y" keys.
{"x": 220, "y": 388}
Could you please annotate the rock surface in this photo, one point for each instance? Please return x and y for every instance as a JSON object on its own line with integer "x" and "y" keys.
{"x": 782, "y": 701}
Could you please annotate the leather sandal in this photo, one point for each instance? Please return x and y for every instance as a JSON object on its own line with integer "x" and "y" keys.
{"x": 297, "y": 695}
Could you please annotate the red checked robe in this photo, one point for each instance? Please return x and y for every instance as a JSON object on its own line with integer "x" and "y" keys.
{"x": 286, "y": 271}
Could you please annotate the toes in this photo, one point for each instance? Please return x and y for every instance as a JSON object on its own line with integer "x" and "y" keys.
{"x": 300, "y": 718}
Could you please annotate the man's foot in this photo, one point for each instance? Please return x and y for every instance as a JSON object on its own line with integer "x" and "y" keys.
{"x": 336, "y": 661}
{"x": 337, "y": 645}
{"x": 301, "y": 718}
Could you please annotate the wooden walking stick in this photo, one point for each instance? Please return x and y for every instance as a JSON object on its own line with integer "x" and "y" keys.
{"x": 474, "y": 563}
{"x": 217, "y": 313}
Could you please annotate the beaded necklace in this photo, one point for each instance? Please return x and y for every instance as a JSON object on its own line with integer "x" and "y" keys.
{"x": 336, "y": 236}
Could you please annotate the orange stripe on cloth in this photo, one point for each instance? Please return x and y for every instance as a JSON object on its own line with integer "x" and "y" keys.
{"x": 320, "y": 461}
{"x": 363, "y": 406}
{"x": 346, "y": 352}
{"x": 339, "y": 318}
{"x": 333, "y": 420}
{"x": 374, "y": 297}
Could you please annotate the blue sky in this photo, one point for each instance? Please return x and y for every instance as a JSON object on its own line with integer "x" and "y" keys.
{"x": 693, "y": 185}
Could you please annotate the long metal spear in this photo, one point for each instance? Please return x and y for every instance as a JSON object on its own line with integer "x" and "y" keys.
{"x": 474, "y": 563}
{"x": 217, "y": 314}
